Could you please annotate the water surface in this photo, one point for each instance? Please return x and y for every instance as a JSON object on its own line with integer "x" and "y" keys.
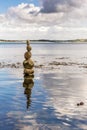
{"x": 51, "y": 103}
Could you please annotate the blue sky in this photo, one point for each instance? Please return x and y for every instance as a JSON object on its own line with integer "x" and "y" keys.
{"x": 43, "y": 19}
{"x": 5, "y": 4}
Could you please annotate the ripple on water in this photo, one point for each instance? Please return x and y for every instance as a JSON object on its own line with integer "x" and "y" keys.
{"x": 52, "y": 103}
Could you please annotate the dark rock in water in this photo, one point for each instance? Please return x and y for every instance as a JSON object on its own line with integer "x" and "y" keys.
{"x": 78, "y": 104}
{"x": 58, "y": 63}
{"x": 12, "y": 66}
{"x": 28, "y": 71}
{"x": 28, "y": 48}
{"x": 28, "y": 64}
{"x": 81, "y": 103}
{"x": 18, "y": 63}
{"x": 39, "y": 66}
{"x": 85, "y": 66}
{"x": 27, "y": 55}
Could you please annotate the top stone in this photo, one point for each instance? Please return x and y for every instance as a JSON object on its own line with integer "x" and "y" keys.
{"x": 28, "y": 42}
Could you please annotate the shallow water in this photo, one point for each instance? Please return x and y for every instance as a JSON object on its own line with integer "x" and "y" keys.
{"x": 51, "y": 103}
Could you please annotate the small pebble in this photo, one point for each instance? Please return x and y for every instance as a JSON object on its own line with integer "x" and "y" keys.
{"x": 81, "y": 103}
{"x": 78, "y": 104}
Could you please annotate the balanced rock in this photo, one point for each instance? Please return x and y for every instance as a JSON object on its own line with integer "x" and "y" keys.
{"x": 28, "y": 42}
{"x": 28, "y": 64}
{"x": 28, "y": 71}
{"x": 28, "y": 48}
{"x": 27, "y": 55}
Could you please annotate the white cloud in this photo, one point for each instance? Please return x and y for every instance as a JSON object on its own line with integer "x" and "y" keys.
{"x": 66, "y": 19}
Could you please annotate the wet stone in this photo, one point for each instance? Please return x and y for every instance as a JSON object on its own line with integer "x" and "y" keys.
{"x": 28, "y": 71}
{"x": 28, "y": 64}
{"x": 27, "y": 55}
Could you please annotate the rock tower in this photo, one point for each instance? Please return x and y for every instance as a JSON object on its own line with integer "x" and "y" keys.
{"x": 28, "y": 73}
{"x": 28, "y": 63}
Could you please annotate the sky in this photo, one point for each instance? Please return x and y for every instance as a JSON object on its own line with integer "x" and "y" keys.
{"x": 43, "y": 19}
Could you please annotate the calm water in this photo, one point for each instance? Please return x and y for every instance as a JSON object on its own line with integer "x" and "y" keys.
{"x": 51, "y": 102}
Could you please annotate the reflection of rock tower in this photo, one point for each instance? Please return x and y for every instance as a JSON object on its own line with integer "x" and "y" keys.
{"x": 28, "y": 73}
{"x": 28, "y": 90}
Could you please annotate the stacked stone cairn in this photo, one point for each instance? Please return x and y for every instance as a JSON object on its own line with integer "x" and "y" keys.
{"x": 28, "y": 73}
{"x": 28, "y": 63}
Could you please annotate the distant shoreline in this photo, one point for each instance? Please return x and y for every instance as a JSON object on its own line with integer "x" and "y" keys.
{"x": 43, "y": 40}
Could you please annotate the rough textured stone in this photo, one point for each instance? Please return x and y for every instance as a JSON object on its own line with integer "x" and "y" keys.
{"x": 28, "y": 42}
{"x": 28, "y": 64}
{"x": 28, "y": 48}
{"x": 28, "y": 71}
{"x": 27, "y": 55}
